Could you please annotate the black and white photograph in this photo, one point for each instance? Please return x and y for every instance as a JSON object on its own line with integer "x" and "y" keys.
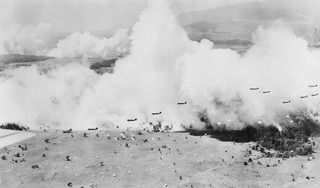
{"x": 159, "y": 93}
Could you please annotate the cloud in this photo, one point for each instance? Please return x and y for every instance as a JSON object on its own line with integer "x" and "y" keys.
{"x": 164, "y": 67}
{"x": 87, "y": 45}
{"x": 30, "y": 40}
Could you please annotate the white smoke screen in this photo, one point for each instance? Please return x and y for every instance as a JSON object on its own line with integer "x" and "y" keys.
{"x": 39, "y": 39}
{"x": 29, "y": 40}
{"x": 87, "y": 45}
{"x": 160, "y": 68}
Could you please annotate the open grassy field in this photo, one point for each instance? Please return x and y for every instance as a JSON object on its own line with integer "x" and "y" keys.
{"x": 145, "y": 159}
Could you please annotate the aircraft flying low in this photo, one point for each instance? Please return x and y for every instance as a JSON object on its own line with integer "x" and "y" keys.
{"x": 254, "y": 88}
{"x": 286, "y": 102}
{"x": 156, "y": 113}
{"x": 182, "y": 103}
{"x": 316, "y": 85}
{"x": 135, "y": 119}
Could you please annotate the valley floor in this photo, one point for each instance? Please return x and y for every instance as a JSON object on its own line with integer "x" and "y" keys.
{"x": 115, "y": 159}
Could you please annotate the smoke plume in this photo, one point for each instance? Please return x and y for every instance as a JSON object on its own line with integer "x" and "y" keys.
{"x": 28, "y": 40}
{"x": 40, "y": 40}
{"x": 277, "y": 76}
{"x": 87, "y": 45}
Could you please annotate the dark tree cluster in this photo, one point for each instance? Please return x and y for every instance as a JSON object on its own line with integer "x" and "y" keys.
{"x": 13, "y": 126}
{"x": 102, "y": 66}
{"x": 293, "y": 139}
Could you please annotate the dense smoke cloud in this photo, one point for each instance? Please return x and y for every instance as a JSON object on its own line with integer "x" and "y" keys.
{"x": 41, "y": 40}
{"x": 33, "y": 97}
{"x": 28, "y": 40}
{"x": 279, "y": 64}
{"x": 163, "y": 67}
{"x": 87, "y": 45}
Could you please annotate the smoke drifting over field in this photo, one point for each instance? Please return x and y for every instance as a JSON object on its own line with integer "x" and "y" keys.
{"x": 17, "y": 39}
{"x": 86, "y": 45}
{"x": 161, "y": 68}
{"x": 38, "y": 39}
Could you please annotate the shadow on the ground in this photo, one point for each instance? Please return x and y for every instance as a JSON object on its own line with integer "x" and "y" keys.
{"x": 293, "y": 137}
{"x": 248, "y": 134}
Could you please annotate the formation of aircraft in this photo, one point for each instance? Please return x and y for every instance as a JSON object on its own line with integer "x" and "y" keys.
{"x": 158, "y": 113}
{"x": 289, "y": 101}
{"x": 252, "y": 89}
{"x": 303, "y": 97}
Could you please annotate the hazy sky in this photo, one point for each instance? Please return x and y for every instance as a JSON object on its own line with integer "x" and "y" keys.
{"x": 92, "y": 15}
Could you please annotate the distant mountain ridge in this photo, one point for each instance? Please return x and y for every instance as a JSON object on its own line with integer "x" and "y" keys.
{"x": 19, "y": 58}
{"x": 250, "y": 11}
{"x": 235, "y": 23}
